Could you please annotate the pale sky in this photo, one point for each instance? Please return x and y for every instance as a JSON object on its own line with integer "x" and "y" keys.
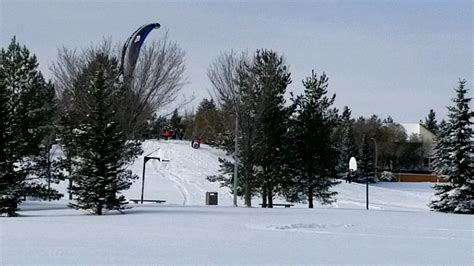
{"x": 397, "y": 58}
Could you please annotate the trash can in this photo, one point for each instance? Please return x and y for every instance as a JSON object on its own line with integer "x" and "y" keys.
{"x": 211, "y": 198}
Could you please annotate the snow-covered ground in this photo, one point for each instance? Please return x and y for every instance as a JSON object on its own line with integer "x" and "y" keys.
{"x": 399, "y": 228}
{"x": 227, "y": 235}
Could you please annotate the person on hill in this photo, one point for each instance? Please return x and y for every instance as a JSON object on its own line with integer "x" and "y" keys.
{"x": 349, "y": 177}
{"x": 178, "y": 134}
{"x": 198, "y": 141}
{"x": 166, "y": 134}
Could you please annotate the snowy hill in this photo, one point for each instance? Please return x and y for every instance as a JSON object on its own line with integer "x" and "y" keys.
{"x": 182, "y": 181}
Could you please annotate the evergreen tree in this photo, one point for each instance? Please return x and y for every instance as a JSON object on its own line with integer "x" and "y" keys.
{"x": 365, "y": 164}
{"x": 453, "y": 157}
{"x": 430, "y": 122}
{"x": 346, "y": 146}
{"x": 388, "y": 120}
{"x": 208, "y": 123}
{"x": 441, "y": 162}
{"x": 248, "y": 95}
{"x": 272, "y": 79}
{"x": 101, "y": 149}
{"x": 26, "y": 112}
{"x": 262, "y": 128}
{"x": 313, "y": 169}
{"x": 175, "y": 120}
{"x": 66, "y": 139}
{"x": 206, "y": 105}
{"x": 45, "y": 168}
{"x": 155, "y": 127}
{"x": 225, "y": 176}
{"x": 48, "y": 170}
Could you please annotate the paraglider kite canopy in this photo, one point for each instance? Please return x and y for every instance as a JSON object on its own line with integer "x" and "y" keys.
{"x": 131, "y": 48}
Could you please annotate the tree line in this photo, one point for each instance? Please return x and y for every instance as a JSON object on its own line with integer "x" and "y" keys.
{"x": 297, "y": 149}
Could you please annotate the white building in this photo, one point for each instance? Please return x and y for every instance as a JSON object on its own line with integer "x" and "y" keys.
{"x": 426, "y": 137}
{"x": 420, "y": 131}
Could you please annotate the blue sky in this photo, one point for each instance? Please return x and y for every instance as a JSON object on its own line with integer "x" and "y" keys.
{"x": 397, "y": 58}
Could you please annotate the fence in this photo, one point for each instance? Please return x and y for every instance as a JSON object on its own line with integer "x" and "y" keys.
{"x": 408, "y": 177}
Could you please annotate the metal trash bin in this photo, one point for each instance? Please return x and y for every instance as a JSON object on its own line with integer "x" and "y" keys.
{"x": 211, "y": 198}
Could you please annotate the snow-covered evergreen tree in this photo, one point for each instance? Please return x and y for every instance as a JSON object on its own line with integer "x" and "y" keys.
{"x": 99, "y": 142}
{"x": 26, "y": 112}
{"x": 441, "y": 162}
{"x": 454, "y": 157}
{"x": 313, "y": 168}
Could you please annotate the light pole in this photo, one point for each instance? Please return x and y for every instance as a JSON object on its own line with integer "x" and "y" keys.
{"x": 146, "y": 159}
{"x": 375, "y": 174}
{"x": 236, "y": 152}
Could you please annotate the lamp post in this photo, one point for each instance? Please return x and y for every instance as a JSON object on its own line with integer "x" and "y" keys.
{"x": 236, "y": 152}
{"x": 146, "y": 159}
{"x": 375, "y": 174}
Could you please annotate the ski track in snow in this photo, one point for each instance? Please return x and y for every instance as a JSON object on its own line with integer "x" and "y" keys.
{"x": 175, "y": 179}
{"x": 187, "y": 169}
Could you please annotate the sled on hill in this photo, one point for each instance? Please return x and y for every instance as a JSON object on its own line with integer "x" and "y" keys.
{"x": 196, "y": 143}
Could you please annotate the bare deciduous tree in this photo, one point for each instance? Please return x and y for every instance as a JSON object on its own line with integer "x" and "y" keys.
{"x": 158, "y": 78}
{"x": 70, "y": 62}
{"x": 223, "y": 74}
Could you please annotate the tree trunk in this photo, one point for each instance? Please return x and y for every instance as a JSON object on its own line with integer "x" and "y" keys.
{"x": 264, "y": 197}
{"x": 49, "y": 172}
{"x": 310, "y": 198}
{"x": 270, "y": 196}
{"x": 70, "y": 185}
{"x": 99, "y": 208}
{"x": 69, "y": 170}
{"x": 248, "y": 194}
{"x": 11, "y": 212}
